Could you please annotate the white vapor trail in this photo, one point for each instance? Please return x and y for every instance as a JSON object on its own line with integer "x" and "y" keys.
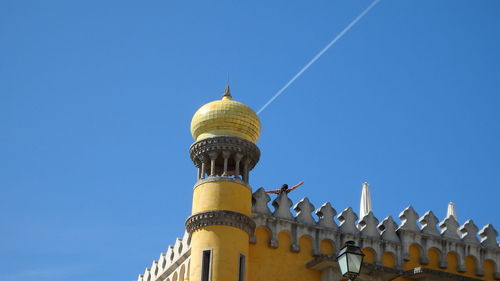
{"x": 313, "y": 60}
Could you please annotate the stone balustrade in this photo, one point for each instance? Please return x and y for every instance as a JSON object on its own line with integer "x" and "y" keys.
{"x": 224, "y": 156}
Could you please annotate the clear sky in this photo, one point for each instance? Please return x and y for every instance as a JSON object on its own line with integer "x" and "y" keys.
{"x": 96, "y": 98}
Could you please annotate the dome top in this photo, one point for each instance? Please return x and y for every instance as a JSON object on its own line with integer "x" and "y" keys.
{"x": 225, "y": 117}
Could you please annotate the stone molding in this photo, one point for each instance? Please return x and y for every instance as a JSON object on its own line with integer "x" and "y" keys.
{"x": 378, "y": 272}
{"x": 221, "y": 178}
{"x": 202, "y": 148}
{"x": 431, "y": 274}
{"x": 383, "y": 237}
{"x": 330, "y": 270}
{"x": 220, "y": 217}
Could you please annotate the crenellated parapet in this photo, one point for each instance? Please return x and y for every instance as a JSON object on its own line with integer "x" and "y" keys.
{"x": 172, "y": 264}
{"x": 426, "y": 233}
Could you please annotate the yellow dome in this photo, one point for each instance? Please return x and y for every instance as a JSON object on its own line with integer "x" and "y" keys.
{"x": 225, "y": 117}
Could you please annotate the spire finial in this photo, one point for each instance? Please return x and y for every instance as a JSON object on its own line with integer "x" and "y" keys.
{"x": 451, "y": 211}
{"x": 365, "y": 205}
{"x": 227, "y": 93}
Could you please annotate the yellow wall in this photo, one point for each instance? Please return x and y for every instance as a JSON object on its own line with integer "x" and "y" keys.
{"x": 470, "y": 266}
{"x": 489, "y": 270}
{"x": 268, "y": 264}
{"x": 452, "y": 264}
{"x": 369, "y": 255}
{"x": 326, "y": 247}
{"x": 414, "y": 253}
{"x": 222, "y": 195}
{"x": 226, "y": 243}
{"x": 388, "y": 260}
{"x": 452, "y": 261}
{"x": 434, "y": 259}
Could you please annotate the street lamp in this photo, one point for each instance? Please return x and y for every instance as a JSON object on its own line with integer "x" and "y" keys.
{"x": 350, "y": 259}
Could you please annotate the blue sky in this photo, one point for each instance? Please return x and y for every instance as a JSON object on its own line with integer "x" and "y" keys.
{"x": 96, "y": 98}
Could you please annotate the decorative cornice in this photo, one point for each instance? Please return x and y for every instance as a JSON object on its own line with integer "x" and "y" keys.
{"x": 225, "y": 143}
{"x": 322, "y": 261}
{"x": 221, "y": 178}
{"x": 220, "y": 217}
{"x": 379, "y": 268}
{"x": 440, "y": 275}
{"x": 331, "y": 260}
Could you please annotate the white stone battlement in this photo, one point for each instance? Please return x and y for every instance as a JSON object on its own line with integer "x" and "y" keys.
{"x": 381, "y": 237}
{"x": 172, "y": 265}
{"x": 425, "y": 232}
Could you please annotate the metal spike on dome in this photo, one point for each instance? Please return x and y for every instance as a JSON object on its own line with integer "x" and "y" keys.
{"x": 227, "y": 93}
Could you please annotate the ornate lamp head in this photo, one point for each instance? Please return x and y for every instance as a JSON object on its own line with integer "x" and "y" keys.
{"x": 350, "y": 260}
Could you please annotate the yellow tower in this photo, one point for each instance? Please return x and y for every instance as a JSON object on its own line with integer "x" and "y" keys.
{"x": 225, "y": 132}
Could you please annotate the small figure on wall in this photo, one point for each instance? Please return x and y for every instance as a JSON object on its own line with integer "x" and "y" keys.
{"x": 284, "y": 188}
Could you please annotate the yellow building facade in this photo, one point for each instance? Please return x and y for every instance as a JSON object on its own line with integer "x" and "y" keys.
{"x": 235, "y": 234}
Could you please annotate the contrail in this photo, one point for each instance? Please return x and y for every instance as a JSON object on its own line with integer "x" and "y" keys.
{"x": 334, "y": 40}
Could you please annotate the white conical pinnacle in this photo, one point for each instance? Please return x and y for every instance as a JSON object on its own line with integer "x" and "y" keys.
{"x": 365, "y": 205}
{"x": 451, "y": 211}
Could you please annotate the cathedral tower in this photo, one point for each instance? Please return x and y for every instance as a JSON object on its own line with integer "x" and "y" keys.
{"x": 224, "y": 152}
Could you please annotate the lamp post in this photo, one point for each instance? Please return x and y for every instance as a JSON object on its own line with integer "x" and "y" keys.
{"x": 350, "y": 259}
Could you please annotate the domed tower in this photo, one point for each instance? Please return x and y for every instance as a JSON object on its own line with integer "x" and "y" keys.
{"x": 225, "y": 133}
